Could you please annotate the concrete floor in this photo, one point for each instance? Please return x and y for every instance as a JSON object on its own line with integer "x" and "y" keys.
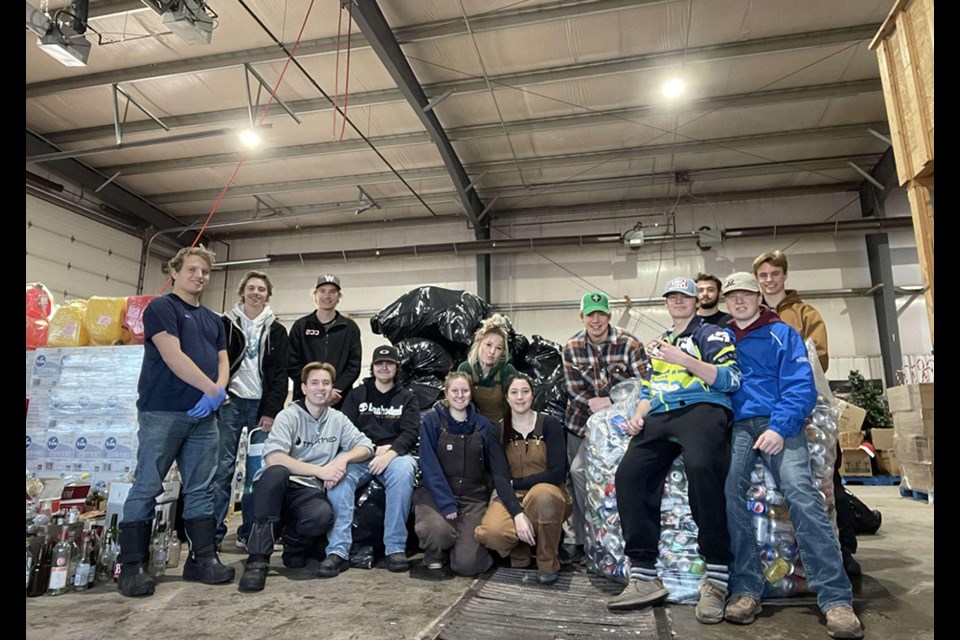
{"x": 894, "y": 599}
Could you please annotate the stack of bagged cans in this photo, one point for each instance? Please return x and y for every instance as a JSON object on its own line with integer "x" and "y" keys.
{"x": 775, "y": 535}
{"x": 679, "y": 564}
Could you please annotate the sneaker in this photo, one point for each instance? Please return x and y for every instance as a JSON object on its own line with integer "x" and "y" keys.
{"x": 397, "y": 562}
{"x": 842, "y": 622}
{"x": 332, "y": 566}
{"x": 742, "y": 609}
{"x": 571, "y": 554}
{"x": 638, "y": 594}
{"x": 710, "y": 607}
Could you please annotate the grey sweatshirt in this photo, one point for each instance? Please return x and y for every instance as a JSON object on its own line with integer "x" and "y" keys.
{"x": 296, "y": 433}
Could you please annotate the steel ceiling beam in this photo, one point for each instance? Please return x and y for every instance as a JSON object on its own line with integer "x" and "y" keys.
{"x": 90, "y": 179}
{"x": 476, "y": 132}
{"x": 322, "y": 46}
{"x": 584, "y": 210}
{"x": 711, "y": 53}
{"x": 368, "y": 17}
{"x": 436, "y": 173}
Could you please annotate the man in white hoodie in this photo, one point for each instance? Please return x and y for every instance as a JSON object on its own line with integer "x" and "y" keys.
{"x": 305, "y": 455}
{"x": 258, "y": 349}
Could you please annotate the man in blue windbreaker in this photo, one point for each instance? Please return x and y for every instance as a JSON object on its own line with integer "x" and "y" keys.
{"x": 775, "y": 397}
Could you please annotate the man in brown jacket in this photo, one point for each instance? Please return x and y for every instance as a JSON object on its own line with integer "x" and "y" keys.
{"x": 770, "y": 269}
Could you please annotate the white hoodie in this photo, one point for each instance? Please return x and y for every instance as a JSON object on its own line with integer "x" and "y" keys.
{"x": 246, "y": 382}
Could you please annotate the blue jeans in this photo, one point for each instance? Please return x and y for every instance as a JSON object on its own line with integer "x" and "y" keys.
{"x": 819, "y": 549}
{"x": 234, "y": 416}
{"x": 397, "y": 479}
{"x": 166, "y": 436}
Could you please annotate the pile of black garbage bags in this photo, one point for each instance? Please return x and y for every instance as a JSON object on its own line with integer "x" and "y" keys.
{"x": 433, "y": 329}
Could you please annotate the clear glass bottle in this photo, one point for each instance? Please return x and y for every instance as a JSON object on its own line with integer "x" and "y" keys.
{"x": 93, "y": 556}
{"x": 81, "y": 578}
{"x": 29, "y": 564}
{"x": 158, "y": 548}
{"x": 60, "y": 565}
{"x": 40, "y": 572}
{"x": 109, "y": 550}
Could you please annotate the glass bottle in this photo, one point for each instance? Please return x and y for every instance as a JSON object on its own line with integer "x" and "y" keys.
{"x": 81, "y": 579}
{"x": 60, "y": 565}
{"x": 109, "y": 550}
{"x": 158, "y": 548}
{"x": 40, "y": 572}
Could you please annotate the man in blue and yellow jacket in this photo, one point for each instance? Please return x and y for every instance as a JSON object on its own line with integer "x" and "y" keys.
{"x": 685, "y": 408}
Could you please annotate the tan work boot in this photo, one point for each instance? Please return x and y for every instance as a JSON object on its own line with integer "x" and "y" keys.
{"x": 710, "y": 607}
{"x": 842, "y": 622}
{"x": 638, "y": 594}
{"x": 742, "y": 609}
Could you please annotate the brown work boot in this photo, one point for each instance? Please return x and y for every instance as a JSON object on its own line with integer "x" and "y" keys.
{"x": 842, "y": 622}
{"x": 742, "y": 609}
{"x": 638, "y": 594}
{"x": 710, "y": 607}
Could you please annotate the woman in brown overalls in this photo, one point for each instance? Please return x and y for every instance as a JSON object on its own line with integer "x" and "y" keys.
{"x": 488, "y": 365}
{"x": 532, "y": 512}
{"x": 459, "y": 451}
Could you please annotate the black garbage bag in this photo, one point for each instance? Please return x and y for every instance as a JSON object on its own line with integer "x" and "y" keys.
{"x": 543, "y": 360}
{"x": 427, "y": 389}
{"x": 368, "y": 525}
{"x": 447, "y": 316}
{"x": 517, "y": 344}
{"x": 422, "y": 358}
{"x": 550, "y": 396}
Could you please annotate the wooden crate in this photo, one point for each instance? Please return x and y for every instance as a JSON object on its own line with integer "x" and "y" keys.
{"x": 904, "y": 47}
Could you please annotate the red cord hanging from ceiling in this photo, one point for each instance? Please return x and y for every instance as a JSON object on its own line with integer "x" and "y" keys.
{"x": 243, "y": 155}
{"x": 336, "y": 82}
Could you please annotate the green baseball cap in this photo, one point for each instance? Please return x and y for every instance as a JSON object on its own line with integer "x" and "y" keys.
{"x": 594, "y": 301}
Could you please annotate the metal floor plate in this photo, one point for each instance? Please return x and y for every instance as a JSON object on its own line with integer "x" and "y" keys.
{"x": 510, "y": 604}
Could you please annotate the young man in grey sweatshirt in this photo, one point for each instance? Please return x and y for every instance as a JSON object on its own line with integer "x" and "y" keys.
{"x": 306, "y": 455}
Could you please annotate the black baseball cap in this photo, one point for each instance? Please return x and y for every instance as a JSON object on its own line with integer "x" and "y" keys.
{"x": 386, "y": 353}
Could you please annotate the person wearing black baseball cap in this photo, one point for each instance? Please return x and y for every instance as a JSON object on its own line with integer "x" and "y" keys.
{"x": 326, "y": 335}
{"x": 389, "y": 415}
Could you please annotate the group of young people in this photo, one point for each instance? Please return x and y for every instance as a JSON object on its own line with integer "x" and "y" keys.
{"x": 496, "y": 475}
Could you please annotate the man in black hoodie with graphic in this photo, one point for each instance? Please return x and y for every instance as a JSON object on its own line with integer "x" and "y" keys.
{"x": 389, "y": 415}
{"x": 326, "y": 336}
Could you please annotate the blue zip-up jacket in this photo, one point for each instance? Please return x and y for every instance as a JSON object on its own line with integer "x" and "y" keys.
{"x": 777, "y": 376}
{"x": 433, "y": 475}
{"x": 671, "y": 387}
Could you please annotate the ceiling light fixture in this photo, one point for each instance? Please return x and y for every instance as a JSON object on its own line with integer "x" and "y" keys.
{"x": 190, "y": 20}
{"x": 249, "y": 138}
{"x": 673, "y": 87}
{"x": 61, "y": 37}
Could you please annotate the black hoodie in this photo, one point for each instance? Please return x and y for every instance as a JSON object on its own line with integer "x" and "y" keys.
{"x": 391, "y": 418}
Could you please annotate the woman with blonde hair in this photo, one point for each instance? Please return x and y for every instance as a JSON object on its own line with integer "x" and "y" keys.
{"x": 459, "y": 451}
{"x": 488, "y": 365}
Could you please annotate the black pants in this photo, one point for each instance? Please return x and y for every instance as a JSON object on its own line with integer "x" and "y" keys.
{"x": 304, "y": 512}
{"x": 701, "y": 432}
{"x": 845, "y": 522}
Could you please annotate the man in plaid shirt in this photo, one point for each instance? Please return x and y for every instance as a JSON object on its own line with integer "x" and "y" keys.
{"x": 594, "y": 360}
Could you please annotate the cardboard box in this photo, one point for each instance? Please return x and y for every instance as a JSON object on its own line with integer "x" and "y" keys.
{"x": 916, "y": 423}
{"x": 882, "y": 439}
{"x": 917, "y": 476}
{"x": 851, "y": 417}
{"x": 850, "y": 440}
{"x": 166, "y": 501}
{"x": 910, "y": 397}
{"x": 913, "y": 448}
{"x": 856, "y": 462}
{"x": 887, "y": 463}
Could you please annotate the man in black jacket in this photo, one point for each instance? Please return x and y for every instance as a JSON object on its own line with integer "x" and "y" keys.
{"x": 326, "y": 336}
{"x": 258, "y": 350}
{"x": 389, "y": 415}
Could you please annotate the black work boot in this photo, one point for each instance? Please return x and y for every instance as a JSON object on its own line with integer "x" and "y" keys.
{"x": 135, "y": 582}
{"x": 202, "y": 564}
{"x": 295, "y": 550}
{"x": 260, "y": 546}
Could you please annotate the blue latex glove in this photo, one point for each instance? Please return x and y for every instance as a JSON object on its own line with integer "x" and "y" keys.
{"x": 207, "y": 405}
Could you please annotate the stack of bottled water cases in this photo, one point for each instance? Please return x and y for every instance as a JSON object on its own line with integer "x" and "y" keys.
{"x": 680, "y": 566}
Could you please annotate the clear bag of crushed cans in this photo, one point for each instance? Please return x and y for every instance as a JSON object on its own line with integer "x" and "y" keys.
{"x": 776, "y": 538}
{"x": 680, "y": 566}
